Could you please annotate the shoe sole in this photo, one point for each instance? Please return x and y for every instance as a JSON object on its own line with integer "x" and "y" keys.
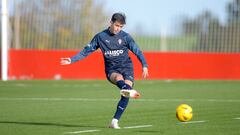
{"x": 126, "y": 93}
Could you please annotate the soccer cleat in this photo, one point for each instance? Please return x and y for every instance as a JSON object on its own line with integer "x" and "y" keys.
{"x": 114, "y": 124}
{"x": 130, "y": 93}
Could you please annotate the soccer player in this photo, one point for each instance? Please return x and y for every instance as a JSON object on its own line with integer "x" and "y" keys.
{"x": 115, "y": 44}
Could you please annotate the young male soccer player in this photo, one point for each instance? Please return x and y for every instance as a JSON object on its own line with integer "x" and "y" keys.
{"x": 115, "y": 44}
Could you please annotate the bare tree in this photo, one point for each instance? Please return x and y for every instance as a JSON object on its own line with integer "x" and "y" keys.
{"x": 58, "y": 24}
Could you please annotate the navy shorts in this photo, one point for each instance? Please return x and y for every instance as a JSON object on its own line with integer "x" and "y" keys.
{"x": 126, "y": 72}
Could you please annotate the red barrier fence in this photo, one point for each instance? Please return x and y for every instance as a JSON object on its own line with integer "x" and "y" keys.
{"x": 45, "y": 64}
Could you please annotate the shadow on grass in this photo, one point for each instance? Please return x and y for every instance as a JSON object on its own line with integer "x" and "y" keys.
{"x": 46, "y": 124}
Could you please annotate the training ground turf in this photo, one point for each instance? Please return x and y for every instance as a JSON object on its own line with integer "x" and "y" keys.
{"x": 86, "y": 107}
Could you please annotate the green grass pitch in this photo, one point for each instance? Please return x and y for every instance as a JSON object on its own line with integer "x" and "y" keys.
{"x": 86, "y": 107}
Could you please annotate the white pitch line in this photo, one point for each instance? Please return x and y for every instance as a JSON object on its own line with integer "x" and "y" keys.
{"x": 88, "y": 131}
{"x": 83, "y": 131}
{"x": 237, "y": 118}
{"x": 192, "y": 122}
{"x": 140, "y": 126}
{"x": 57, "y": 99}
{"x": 111, "y": 99}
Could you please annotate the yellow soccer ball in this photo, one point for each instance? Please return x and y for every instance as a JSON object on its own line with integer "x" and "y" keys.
{"x": 184, "y": 113}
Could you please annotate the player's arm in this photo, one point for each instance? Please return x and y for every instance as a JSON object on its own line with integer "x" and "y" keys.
{"x": 91, "y": 47}
{"x": 136, "y": 50}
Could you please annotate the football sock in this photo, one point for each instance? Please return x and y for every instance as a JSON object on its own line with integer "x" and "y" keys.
{"x": 122, "y": 104}
{"x": 122, "y": 85}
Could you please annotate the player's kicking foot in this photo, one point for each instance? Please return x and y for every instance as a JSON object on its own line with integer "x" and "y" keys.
{"x": 114, "y": 124}
{"x": 130, "y": 93}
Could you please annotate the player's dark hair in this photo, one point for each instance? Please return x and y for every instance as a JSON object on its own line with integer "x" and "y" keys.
{"x": 120, "y": 17}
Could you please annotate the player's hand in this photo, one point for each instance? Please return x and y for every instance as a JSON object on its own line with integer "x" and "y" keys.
{"x": 145, "y": 72}
{"x": 65, "y": 61}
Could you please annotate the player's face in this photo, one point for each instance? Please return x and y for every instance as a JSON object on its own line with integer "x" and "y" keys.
{"x": 115, "y": 27}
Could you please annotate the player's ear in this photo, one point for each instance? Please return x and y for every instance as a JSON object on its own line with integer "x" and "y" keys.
{"x": 111, "y": 22}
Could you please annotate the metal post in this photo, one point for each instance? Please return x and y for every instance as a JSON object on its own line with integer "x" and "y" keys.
{"x": 4, "y": 40}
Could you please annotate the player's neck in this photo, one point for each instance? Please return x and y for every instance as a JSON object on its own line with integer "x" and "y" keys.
{"x": 110, "y": 32}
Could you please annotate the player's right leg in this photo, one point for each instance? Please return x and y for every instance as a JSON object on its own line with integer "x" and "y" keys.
{"x": 125, "y": 86}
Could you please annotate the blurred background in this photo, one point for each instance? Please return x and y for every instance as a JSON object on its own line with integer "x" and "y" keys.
{"x": 187, "y": 26}
{"x": 157, "y": 26}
